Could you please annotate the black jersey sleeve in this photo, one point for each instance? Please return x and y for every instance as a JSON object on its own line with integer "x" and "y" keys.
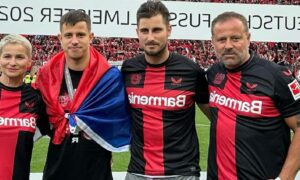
{"x": 202, "y": 95}
{"x": 287, "y": 92}
{"x": 43, "y": 122}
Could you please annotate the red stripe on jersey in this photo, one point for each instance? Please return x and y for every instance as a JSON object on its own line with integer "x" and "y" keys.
{"x": 153, "y": 125}
{"x": 10, "y": 101}
{"x": 225, "y": 144}
{"x": 153, "y": 98}
{"x": 231, "y": 99}
{"x": 7, "y": 155}
{"x": 153, "y": 142}
{"x": 10, "y": 116}
{"x": 8, "y": 134}
{"x": 225, "y": 133}
{"x": 230, "y": 103}
{"x": 11, "y": 123}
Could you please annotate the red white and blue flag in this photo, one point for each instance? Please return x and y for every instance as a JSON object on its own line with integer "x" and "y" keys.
{"x": 99, "y": 106}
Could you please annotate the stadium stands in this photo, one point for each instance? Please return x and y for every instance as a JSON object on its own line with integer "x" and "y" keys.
{"x": 118, "y": 49}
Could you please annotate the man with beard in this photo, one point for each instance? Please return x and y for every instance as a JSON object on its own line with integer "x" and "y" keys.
{"x": 162, "y": 88}
{"x": 253, "y": 105}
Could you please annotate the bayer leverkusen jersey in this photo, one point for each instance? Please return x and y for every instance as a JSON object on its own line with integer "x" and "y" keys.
{"x": 249, "y": 138}
{"x": 163, "y": 99}
{"x": 21, "y": 111}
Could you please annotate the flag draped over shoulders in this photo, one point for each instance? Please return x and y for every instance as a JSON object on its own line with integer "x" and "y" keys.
{"x": 99, "y": 106}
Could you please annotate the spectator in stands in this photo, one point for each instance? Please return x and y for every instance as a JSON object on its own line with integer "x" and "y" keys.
{"x": 296, "y": 69}
{"x": 33, "y": 79}
{"x": 254, "y": 104}
{"x": 86, "y": 103}
{"x": 21, "y": 109}
{"x": 27, "y": 78}
{"x": 46, "y": 46}
{"x": 162, "y": 88}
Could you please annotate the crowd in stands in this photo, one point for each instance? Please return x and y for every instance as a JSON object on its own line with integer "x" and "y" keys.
{"x": 119, "y": 49}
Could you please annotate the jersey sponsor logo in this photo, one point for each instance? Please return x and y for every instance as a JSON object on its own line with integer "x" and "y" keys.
{"x": 219, "y": 77}
{"x": 15, "y": 122}
{"x": 178, "y": 101}
{"x": 295, "y": 89}
{"x": 254, "y": 107}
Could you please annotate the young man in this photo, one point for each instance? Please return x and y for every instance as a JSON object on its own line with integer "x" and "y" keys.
{"x": 162, "y": 88}
{"x": 254, "y": 103}
{"x": 21, "y": 109}
{"x": 86, "y": 103}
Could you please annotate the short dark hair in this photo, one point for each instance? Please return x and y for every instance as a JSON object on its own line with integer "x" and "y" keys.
{"x": 153, "y": 8}
{"x": 229, "y": 15}
{"x": 74, "y": 16}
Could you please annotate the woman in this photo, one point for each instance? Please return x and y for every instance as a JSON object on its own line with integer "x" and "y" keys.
{"x": 21, "y": 109}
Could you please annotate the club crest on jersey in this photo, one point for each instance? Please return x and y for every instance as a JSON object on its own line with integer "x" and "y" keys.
{"x": 64, "y": 100}
{"x": 135, "y": 78}
{"x": 176, "y": 81}
{"x": 219, "y": 77}
{"x": 295, "y": 89}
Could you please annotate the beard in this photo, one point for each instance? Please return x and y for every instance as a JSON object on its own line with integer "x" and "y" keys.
{"x": 231, "y": 52}
{"x": 156, "y": 53}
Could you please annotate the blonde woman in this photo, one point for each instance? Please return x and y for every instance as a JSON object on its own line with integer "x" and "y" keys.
{"x": 21, "y": 109}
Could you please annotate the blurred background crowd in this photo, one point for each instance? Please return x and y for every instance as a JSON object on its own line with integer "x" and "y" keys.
{"x": 119, "y": 49}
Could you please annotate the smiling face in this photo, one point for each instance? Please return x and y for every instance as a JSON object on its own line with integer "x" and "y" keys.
{"x": 14, "y": 62}
{"x": 153, "y": 34}
{"x": 75, "y": 41}
{"x": 231, "y": 42}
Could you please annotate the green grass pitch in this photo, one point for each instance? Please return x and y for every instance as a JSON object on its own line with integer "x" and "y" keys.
{"x": 120, "y": 160}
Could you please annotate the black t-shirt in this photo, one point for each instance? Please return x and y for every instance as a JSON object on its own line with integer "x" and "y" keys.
{"x": 21, "y": 111}
{"x": 249, "y": 138}
{"x": 76, "y": 157}
{"x": 162, "y": 99}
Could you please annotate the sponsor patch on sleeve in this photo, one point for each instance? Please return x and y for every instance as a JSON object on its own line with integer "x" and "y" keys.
{"x": 295, "y": 89}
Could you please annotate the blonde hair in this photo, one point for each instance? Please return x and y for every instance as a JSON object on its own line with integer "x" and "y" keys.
{"x": 16, "y": 39}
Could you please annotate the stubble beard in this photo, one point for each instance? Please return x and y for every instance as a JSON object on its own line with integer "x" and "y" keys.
{"x": 158, "y": 53}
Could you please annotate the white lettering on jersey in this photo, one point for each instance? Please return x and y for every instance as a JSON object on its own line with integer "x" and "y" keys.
{"x": 18, "y": 122}
{"x": 178, "y": 101}
{"x": 238, "y": 105}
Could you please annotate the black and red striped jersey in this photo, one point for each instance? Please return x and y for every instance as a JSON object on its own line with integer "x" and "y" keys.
{"x": 21, "y": 111}
{"x": 162, "y": 99}
{"x": 249, "y": 138}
